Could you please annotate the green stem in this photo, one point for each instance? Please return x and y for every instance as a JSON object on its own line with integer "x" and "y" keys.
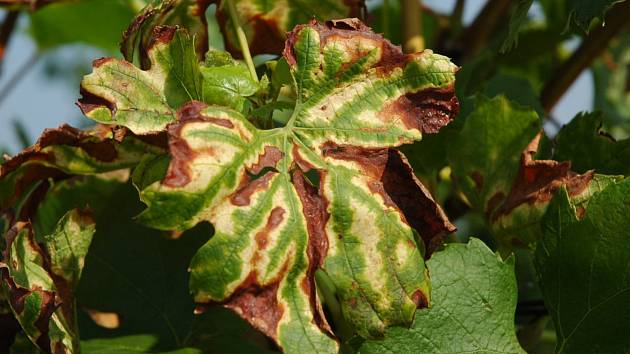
{"x": 242, "y": 40}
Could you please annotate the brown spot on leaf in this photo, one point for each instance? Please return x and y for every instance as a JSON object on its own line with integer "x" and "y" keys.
{"x": 179, "y": 172}
{"x": 269, "y": 158}
{"x": 314, "y": 209}
{"x": 258, "y": 304}
{"x": 427, "y": 110}
{"x": 420, "y": 299}
{"x": 392, "y": 178}
{"x": 247, "y": 187}
{"x": 538, "y": 180}
{"x": 262, "y": 237}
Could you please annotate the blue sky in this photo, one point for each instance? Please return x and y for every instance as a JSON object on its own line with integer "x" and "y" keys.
{"x": 42, "y": 103}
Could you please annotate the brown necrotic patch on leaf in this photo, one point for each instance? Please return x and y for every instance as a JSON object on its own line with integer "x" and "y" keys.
{"x": 269, "y": 159}
{"x": 314, "y": 208}
{"x": 258, "y": 304}
{"x": 179, "y": 172}
{"x": 248, "y": 186}
{"x": 349, "y": 33}
{"x": 393, "y": 179}
{"x": 539, "y": 180}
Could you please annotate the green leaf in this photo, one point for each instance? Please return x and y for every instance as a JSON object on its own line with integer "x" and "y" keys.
{"x": 145, "y": 101}
{"x": 472, "y": 308}
{"x": 94, "y": 22}
{"x": 227, "y": 82}
{"x": 274, "y": 228}
{"x": 41, "y": 284}
{"x": 266, "y": 23}
{"x": 486, "y": 155}
{"x": 138, "y": 344}
{"x": 582, "y": 262}
{"x": 589, "y": 148}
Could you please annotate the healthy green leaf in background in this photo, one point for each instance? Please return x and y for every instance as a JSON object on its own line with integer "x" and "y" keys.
{"x": 589, "y": 148}
{"x": 472, "y": 307}
{"x": 583, "y": 265}
{"x": 272, "y": 230}
{"x": 94, "y": 22}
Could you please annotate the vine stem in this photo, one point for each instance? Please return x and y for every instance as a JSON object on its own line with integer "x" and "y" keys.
{"x": 242, "y": 39}
{"x": 14, "y": 80}
{"x": 6, "y": 30}
{"x": 592, "y": 47}
{"x": 489, "y": 19}
{"x": 412, "y": 26}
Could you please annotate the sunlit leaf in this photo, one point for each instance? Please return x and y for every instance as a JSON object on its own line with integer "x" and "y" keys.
{"x": 472, "y": 307}
{"x": 275, "y": 225}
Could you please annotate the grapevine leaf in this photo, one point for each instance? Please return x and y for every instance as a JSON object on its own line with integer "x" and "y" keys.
{"x": 226, "y": 81}
{"x": 589, "y": 148}
{"x": 590, "y": 243}
{"x": 135, "y": 275}
{"x": 358, "y": 96}
{"x": 67, "y": 150}
{"x": 190, "y": 14}
{"x": 485, "y": 157}
{"x": 41, "y": 284}
{"x": 472, "y": 309}
{"x": 145, "y": 101}
{"x": 266, "y": 23}
{"x": 516, "y": 221}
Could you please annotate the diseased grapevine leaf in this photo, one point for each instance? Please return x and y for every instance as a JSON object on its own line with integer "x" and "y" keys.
{"x": 134, "y": 284}
{"x": 582, "y": 262}
{"x": 472, "y": 307}
{"x": 40, "y": 279}
{"x": 266, "y": 23}
{"x": 486, "y": 155}
{"x": 66, "y": 150}
{"x": 145, "y": 101}
{"x": 495, "y": 169}
{"x": 589, "y": 148}
{"x": 190, "y": 14}
{"x": 358, "y": 96}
